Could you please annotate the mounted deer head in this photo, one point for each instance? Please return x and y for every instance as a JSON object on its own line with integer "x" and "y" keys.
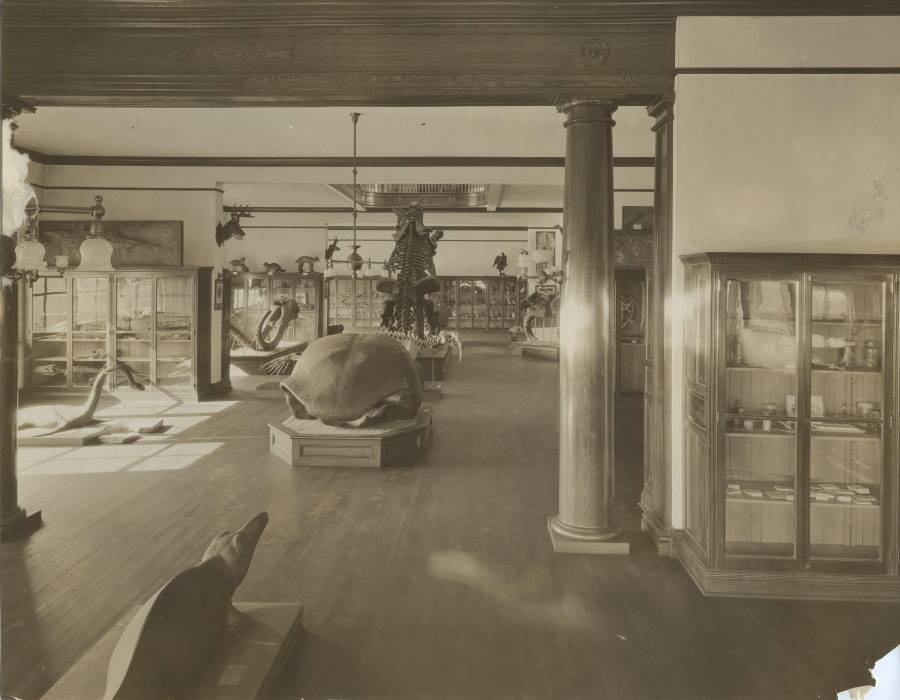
{"x": 233, "y": 229}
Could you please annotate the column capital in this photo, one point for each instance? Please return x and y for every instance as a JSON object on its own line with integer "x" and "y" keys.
{"x": 663, "y": 111}
{"x": 581, "y": 110}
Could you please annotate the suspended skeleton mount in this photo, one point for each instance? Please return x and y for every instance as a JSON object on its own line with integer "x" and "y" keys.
{"x": 413, "y": 262}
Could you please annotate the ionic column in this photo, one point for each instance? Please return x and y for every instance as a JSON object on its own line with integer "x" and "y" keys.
{"x": 585, "y": 523}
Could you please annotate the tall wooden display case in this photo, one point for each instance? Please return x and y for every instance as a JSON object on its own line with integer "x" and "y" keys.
{"x": 485, "y": 303}
{"x": 790, "y": 430}
{"x": 354, "y": 302}
{"x": 253, "y": 293}
{"x": 472, "y": 302}
{"x": 157, "y": 320}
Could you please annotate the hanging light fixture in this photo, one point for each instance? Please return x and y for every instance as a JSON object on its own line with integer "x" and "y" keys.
{"x": 355, "y": 259}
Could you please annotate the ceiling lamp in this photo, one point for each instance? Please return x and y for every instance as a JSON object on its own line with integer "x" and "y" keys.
{"x": 31, "y": 255}
{"x": 355, "y": 259}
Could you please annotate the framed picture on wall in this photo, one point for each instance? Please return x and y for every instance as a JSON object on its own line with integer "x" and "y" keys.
{"x": 219, "y": 298}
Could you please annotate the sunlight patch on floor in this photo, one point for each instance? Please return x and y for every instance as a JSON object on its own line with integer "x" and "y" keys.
{"x": 105, "y": 459}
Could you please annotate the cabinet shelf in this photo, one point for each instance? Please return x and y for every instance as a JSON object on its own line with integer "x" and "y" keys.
{"x": 745, "y": 368}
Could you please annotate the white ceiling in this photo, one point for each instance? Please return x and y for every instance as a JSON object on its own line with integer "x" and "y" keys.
{"x": 312, "y": 131}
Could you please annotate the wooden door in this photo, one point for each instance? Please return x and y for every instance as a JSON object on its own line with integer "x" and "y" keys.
{"x": 630, "y": 286}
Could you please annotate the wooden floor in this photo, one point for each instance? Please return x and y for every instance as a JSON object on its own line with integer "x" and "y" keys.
{"x": 430, "y": 581}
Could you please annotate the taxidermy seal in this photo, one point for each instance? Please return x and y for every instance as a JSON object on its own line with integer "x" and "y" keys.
{"x": 62, "y": 418}
{"x": 350, "y": 378}
{"x": 174, "y": 635}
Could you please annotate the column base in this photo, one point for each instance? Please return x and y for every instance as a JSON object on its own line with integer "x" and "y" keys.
{"x": 20, "y": 524}
{"x": 567, "y": 539}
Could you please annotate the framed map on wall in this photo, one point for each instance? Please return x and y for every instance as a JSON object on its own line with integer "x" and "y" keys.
{"x": 135, "y": 243}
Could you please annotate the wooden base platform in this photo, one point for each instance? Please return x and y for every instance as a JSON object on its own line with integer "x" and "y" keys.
{"x": 37, "y": 437}
{"x": 251, "y": 361}
{"x": 247, "y": 665}
{"x": 538, "y": 349}
{"x": 311, "y": 443}
{"x": 434, "y": 362}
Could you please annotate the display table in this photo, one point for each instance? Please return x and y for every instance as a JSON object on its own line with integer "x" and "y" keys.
{"x": 311, "y": 443}
{"x": 434, "y": 362}
{"x": 247, "y": 664}
{"x": 536, "y": 348}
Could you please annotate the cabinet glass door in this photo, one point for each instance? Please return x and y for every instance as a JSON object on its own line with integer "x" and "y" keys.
{"x": 49, "y": 332}
{"x": 510, "y": 308}
{"x": 283, "y": 290}
{"x": 345, "y": 302}
{"x": 90, "y": 328}
{"x": 465, "y": 304}
{"x": 174, "y": 339}
{"x": 495, "y": 303}
{"x": 760, "y": 407}
{"x": 847, "y": 402}
{"x": 451, "y": 287}
{"x": 363, "y": 303}
{"x": 479, "y": 310}
{"x": 257, "y": 305}
{"x": 134, "y": 326}
{"x": 305, "y": 327}
{"x": 378, "y": 299}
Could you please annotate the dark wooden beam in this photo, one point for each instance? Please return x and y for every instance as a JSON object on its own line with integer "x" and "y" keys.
{"x": 278, "y": 15}
{"x": 326, "y": 161}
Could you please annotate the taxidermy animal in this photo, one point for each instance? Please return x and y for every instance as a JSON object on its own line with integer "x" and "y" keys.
{"x": 500, "y": 263}
{"x": 413, "y": 261}
{"x": 173, "y": 637}
{"x": 272, "y": 268}
{"x": 539, "y": 306}
{"x": 232, "y": 229}
{"x": 305, "y": 260}
{"x": 62, "y": 418}
{"x": 239, "y": 265}
{"x": 352, "y": 379}
{"x": 272, "y": 326}
{"x": 329, "y": 251}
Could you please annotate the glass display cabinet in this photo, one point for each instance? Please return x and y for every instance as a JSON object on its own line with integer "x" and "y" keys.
{"x": 254, "y": 293}
{"x": 790, "y": 439}
{"x": 472, "y": 302}
{"x": 485, "y": 303}
{"x": 149, "y": 318}
{"x": 354, "y": 302}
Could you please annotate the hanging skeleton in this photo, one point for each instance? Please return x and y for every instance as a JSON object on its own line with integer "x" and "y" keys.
{"x": 413, "y": 262}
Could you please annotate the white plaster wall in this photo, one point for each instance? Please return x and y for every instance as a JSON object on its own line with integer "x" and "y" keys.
{"x": 799, "y": 163}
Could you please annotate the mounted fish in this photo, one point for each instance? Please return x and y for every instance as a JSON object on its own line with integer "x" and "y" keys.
{"x": 232, "y": 229}
{"x": 62, "y": 418}
{"x": 413, "y": 262}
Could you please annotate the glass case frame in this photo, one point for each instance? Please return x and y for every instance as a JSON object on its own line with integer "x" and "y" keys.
{"x": 843, "y": 534}
{"x": 473, "y": 302}
{"x": 111, "y": 339}
{"x": 252, "y": 294}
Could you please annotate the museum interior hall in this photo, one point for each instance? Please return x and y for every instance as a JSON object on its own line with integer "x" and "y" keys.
{"x": 449, "y": 350}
